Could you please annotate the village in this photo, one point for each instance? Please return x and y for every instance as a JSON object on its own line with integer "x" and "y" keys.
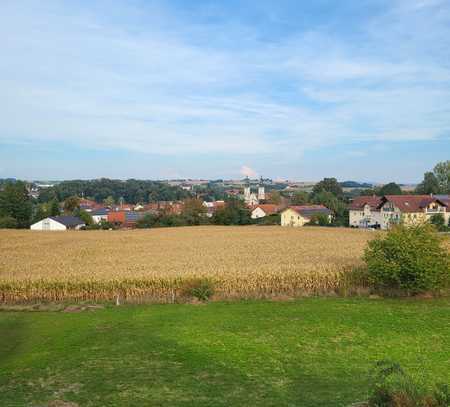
{"x": 367, "y": 212}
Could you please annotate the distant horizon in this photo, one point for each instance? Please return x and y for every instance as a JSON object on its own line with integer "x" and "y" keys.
{"x": 36, "y": 180}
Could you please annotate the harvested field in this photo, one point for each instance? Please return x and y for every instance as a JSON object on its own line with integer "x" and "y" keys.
{"x": 152, "y": 265}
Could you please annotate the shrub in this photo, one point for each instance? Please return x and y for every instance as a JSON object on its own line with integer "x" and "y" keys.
{"x": 8, "y": 222}
{"x": 320, "y": 219}
{"x": 200, "y": 288}
{"x": 391, "y": 386}
{"x": 438, "y": 221}
{"x": 408, "y": 258}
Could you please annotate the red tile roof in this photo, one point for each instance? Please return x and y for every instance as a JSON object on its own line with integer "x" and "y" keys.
{"x": 410, "y": 203}
{"x": 269, "y": 209}
{"x": 360, "y": 201}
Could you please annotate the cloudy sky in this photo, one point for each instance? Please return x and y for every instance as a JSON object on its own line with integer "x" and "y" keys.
{"x": 292, "y": 89}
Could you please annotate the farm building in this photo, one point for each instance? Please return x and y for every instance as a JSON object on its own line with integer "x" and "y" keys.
{"x": 54, "y": 223}
{"x": 382, "y": 212}
{"x": 263, "y": 210}
{"x": 300, "y": 215}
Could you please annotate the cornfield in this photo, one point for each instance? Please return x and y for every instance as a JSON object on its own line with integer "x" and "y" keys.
{"x": 152, "y": 265}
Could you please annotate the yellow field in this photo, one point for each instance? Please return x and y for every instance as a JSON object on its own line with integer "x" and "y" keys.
{"x": 152, "y": 265}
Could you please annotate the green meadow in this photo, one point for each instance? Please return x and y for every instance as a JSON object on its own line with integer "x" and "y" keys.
{"x": 309, "y": 352}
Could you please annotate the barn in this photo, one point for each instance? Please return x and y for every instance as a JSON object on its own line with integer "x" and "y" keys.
{"x": 55, "y": 223}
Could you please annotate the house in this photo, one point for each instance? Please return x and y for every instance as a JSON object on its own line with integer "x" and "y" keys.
{"x": 124, "y": 218}
{"x": 364, "y": 212}
{"x": 99, "y": 215}
{"x": 212, "y": 207}
{"x": 300, "y": 215}
{"x": 88, "y": 205}
{"x": 410, "y": 209}
{"x": 263, "y": 210}
{"x": 58, "y": 223}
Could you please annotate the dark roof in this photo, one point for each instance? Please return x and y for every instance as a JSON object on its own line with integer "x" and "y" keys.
{"x": 411, "y": 203}
{"x": 443, "y": 198}
{"x": 100, "y": 211}
{"x": 68, "y": 220}
{"x": 310, "y": 210}
{"x": 360, "y": 201}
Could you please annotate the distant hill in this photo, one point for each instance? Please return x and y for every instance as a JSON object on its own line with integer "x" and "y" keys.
{"x": 354, "y": 184}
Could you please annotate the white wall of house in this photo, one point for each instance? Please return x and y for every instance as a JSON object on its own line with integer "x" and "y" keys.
{"x": 48, "y": 224}
{"x": 99, "y": 218}
{"x": 364, "y": 217}
{"x": 289, "y": 217}
{"x": 258, "y": 213}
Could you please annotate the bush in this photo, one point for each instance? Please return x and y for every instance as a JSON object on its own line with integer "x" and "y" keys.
{"x": 320, "y": 219}
{"x": 199, "y": 288}
{"x": 391, "y": 386}
{"x": 8, "y": 222}
{"x": 438, "y": 221}
{"x": 408, "y": 258}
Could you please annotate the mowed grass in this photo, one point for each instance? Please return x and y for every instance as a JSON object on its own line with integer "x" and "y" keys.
{"x": 151, "y": 265}
{"x": 309, "y": 352}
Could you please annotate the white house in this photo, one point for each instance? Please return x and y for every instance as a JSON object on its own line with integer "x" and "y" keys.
{"x": 55, "y": 223}
{"x": 383, "y": 212}
{"x": 100, "y": 215}
{"x": 263, "y": 210}
{"x": 297, "y": 216}
{"x": 364, "y": 212}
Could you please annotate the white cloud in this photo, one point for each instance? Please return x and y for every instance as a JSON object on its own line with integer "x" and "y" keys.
{"x": 76, "y": 76}
{"x": 248, "y": 172}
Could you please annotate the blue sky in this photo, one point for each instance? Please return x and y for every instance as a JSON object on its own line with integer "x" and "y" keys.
{"x": 285, "y": 89}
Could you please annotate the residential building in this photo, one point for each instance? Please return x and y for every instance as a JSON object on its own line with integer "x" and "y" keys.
{"x": 124, "y": 218}
{"x": 56, "y": 223}
{"x": 263, "y": 210}
{"x": 212, "y": 207}
{"x": 410, "y": 209}
{"x": 364, "y": 212}
{"x": 382, "y": 212}
{"x": 99, "y": 215}
{"x": 297, "y": 216}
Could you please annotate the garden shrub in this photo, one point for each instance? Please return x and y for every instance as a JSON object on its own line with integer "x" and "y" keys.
{"x": 8, "y": 222}
{"x": 411, "y": 258}
{"x": 391, "y": 386}
{"x": 200, "y": 288}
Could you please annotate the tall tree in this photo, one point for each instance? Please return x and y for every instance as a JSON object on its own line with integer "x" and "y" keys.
{"x": 193, "y": 211}
{"x": 390, "y": 189}
{"x": 429, "y": 185}
{"x": 71, "y": 204}
{"x": 300, "y": 198}
{"x": 442, "y": 173}
{"x": 329, "y": 185}
{"x": 16, "y": 203}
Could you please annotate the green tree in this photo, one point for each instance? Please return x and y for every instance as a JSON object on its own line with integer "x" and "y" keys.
{"x": 40, "y": 213}
{"x": 54, "y": 208}
{"x": 109, "y": 201}
{"x": 429, "y": 185}
{"x": 390, "y": 189}
{"x": 320, "y": 219}
{"x": 84, "y": 216}
{"x": 71, "y": 204}
{"x": 300, "y": 198}
{"x": 329, "y": 185}
{"x": 7, "y": 222}
{"x": 16, "y": 203}
{"x": 438, "y": 221}
{"x": 442, "y": 173}
{"x": 409, "y": 258}
{"x": 335, "y": 205}
{"x": 275, "y": 197}
{"x": 194, "y": 211}
{"x": 234, "y": 213}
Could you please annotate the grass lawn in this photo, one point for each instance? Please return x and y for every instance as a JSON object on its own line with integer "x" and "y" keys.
{"x": 310, "y": 352}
